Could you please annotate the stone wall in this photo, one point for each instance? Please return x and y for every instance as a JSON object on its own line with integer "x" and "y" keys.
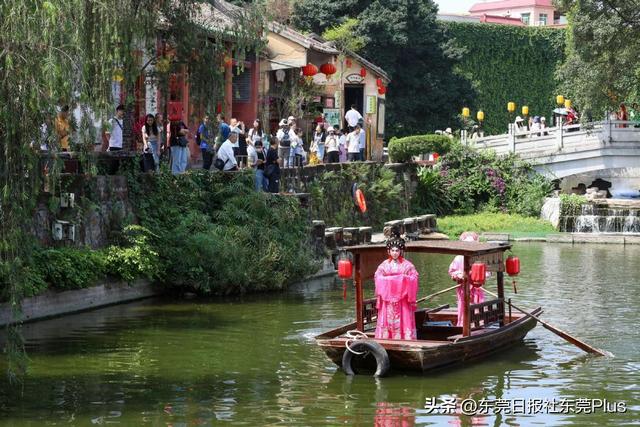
{"x": 101, "y": 207}
{"x": 102, "y": 204}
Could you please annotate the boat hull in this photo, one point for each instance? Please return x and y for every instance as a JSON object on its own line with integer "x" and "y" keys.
{"x": 424, "y": 355}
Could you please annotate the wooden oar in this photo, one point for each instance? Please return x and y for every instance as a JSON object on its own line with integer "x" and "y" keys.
{"x": 436, "y": 294}
{"x": 573, "y": 340}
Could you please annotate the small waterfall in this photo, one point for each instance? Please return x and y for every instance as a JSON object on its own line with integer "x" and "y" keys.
{"x": 603, "y": 219}
{"x": 587, "y": 221}
{"x": 551, "y": 210}
{"x": 631, "y": 223}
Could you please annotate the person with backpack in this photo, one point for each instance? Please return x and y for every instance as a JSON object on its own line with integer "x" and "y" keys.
{"x": 284, "y": 143}
{"x": 226, "y": 160}
{"x": 206, "y": 147}
{"x": 117, "y": 128}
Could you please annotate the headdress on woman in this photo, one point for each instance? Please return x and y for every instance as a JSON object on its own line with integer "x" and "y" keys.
{"x": 469, "y": 236}
{"x": 395, "y": 241}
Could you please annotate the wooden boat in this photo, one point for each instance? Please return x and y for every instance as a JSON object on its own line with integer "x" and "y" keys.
{"x": 487, "y": 327}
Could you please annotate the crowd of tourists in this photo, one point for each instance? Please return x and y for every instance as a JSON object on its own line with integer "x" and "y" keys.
{"x": 230, "y": 146}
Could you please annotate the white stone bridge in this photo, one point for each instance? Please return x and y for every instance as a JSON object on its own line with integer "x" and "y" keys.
{"x": 578, "y": 154}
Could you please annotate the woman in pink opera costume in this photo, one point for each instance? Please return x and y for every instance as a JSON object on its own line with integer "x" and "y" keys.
{"x": 456, "y": 272}
{"x": 396, "y": 289}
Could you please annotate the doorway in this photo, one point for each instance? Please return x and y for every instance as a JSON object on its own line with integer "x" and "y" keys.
{"x": 353, "y": 95}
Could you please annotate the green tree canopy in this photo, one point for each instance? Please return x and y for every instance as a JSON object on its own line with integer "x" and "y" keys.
{"x": 404, "y": 39}
{"x": 602, "y": 67}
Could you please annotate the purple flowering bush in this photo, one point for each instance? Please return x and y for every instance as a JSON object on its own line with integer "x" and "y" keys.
{"x": 466, "y": 181}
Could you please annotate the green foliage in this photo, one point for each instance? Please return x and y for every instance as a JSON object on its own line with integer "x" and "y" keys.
{"x": 470, "y": 181}
{"x": 70, "y": 268}
{"x": 404, "y": 39}
{"x": 514, "y": 224}
{"x": 403, "y": 149}
{"x": 213, "y": 233}
{"x": 431, "y": 194}
{"x": 571, "y": 204}
{"x": 345, "y": 36}
{"x": 332, "y": 200}
{"x": 601, "y": 69}
{"x": 137, "y": 258}
{"x": 507, "y": 63}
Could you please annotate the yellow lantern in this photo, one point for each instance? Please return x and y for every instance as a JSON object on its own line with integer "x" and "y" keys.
{"x": 525, "y": 110}
{"x": 559, "y": 99}
{"x": 480, "y": 116}
{"x": 511, "y": 107}
{"x": 465, "y": 112}
{"x": 567, "y": 103}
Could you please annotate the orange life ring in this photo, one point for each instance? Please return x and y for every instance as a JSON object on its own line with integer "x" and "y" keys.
{"x": 362, "y": 204}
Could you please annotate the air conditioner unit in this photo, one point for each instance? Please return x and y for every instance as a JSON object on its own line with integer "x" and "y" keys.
{"x": 67, "y": 200}
{"x": 63, "y": 230}
{"x": 58, "y": 230}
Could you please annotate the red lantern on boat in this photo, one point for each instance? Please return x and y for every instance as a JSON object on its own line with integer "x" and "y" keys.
{"x": 478, "y": 274}
{"x": 382, "y": 90}
{"x": 345, "y": 271}
{"x": 309, "y": 70}
{"x": 363, "y": 72}
{"x": 513, "y": 269}
{"x": 345, "y": 268}
{"x": 379, "y": 82}
{"x": 348, "y": 62}
{"x": 328, "y": 69}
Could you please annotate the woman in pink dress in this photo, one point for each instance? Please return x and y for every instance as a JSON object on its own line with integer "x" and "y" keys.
{"x": 396, "y": 290}
{"x": 456, "y": 272}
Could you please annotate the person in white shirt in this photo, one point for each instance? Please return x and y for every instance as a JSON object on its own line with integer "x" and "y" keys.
{"x": 352, "y": 117}
{"x": 117, "y": 127}
{"x": 225, "y": 153}
{"x": 333, "y": 150}
{"x": 362, "y": 144}
{"x": 353, "y": 144}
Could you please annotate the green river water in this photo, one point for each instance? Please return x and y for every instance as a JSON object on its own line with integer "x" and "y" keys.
{"x": 252, "y": 361}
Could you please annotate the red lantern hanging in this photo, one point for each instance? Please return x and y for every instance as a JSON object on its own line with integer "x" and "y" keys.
{"x": 513, "y": 269}
{"x": 309, "y": 70}
{"x": 478, "y": 274}
{"x": 435, "y": 157}
{"x": 175, "y": 111}
{"x": 328, "y": 69}
{"x": 382, "y": 90}
{"x": 348, "y": 62}
{"x": 345, "y": 271}
{"x": 363, "y": 72}
{"x": 379, "y": 82}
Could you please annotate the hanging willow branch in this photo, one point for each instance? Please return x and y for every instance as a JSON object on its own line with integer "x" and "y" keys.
{"x": 67, "y": 52}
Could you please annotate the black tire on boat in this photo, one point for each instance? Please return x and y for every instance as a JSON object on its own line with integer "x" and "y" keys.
{"x": 378, "y": 351}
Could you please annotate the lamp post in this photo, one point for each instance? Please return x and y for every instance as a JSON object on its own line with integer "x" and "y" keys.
{"x": 560, "y": 102}
{"x": 511, "y": 107}
{"x": 465, "y": 117}
{"x": 480, "y": 117}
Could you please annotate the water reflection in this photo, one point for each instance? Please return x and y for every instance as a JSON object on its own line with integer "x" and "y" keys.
{"x": 252, "y": 360}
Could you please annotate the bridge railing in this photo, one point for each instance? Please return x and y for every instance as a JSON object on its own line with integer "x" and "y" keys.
{"x": 539, "y": 142}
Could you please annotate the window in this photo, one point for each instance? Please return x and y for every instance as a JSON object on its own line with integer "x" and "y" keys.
{"x": 543, "y": 19}
{"x": 242, "y": 84}
{"x": 525, "y": 18}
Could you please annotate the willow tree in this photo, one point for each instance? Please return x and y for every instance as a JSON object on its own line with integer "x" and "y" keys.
{"x": 68, "y": 52}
